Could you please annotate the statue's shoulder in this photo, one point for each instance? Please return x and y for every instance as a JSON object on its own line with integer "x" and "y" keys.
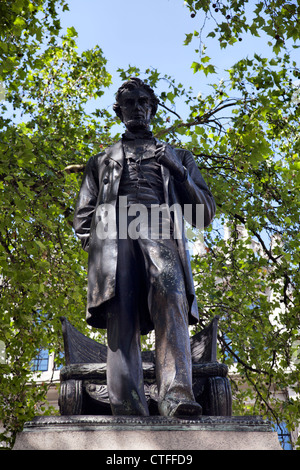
{"x": 108, "y": 151}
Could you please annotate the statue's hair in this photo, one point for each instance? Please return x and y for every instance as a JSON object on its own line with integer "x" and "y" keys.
{"x": 135, "y": 82}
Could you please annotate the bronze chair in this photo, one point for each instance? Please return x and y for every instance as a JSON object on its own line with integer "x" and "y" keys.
{"x": 83, "y": 387}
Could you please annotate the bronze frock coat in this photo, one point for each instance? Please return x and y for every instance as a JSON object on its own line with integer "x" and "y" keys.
{"x": 100, "y": 186}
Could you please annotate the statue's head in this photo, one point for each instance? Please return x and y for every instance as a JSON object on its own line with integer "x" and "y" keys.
{"x": 136, "y": 104}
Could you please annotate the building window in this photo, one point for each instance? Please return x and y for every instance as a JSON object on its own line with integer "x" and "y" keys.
{"x": 226, "y": 353}
{"x": 58, "y": 361}
{"x": 41, "y": 362}
{"x": 284, "y": 436}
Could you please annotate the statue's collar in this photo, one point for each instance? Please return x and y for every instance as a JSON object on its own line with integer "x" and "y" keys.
{"x": 139, "y": 135}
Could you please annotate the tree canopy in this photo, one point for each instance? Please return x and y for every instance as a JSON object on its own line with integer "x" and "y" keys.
{"x": 244, "y": 135}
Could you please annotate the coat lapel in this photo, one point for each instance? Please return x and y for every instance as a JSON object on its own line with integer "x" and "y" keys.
{"x": 165, "y": 173}
{"x": 166, "y": 177}
{"x": 116, "y": 153}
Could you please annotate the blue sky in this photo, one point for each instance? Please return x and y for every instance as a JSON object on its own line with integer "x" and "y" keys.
{"x": 144, "y": 33}
{"x": 149, "y": 33}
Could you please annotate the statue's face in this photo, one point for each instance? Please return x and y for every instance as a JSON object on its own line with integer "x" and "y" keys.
{"x": 136, "y": 109}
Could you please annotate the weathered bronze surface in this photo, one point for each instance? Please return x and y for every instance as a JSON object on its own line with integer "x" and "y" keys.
{"x": 217, "y": 423}
{"x": 136, "y": 284}
{"x": 83, "y": 379}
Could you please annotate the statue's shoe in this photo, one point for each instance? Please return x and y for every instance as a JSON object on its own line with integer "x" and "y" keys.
{"x": 180, "y": 409}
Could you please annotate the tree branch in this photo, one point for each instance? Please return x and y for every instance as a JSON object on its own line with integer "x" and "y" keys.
{"x": 74, "y": 168}
{"x": 204, "y": 119}
{"x": 225, "y": 343}
{"x": 170, "y": 110}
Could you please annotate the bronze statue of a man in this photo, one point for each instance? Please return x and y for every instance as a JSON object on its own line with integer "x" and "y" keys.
{"x": 139, "y": 280}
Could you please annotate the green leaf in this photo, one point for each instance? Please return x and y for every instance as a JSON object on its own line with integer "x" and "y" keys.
{"x": 188, "y": 39}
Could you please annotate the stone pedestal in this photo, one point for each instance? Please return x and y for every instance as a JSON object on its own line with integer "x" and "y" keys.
{"x": 152, "y": 433}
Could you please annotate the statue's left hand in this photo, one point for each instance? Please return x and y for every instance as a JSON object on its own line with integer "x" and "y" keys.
{"x": 168, "y": 157}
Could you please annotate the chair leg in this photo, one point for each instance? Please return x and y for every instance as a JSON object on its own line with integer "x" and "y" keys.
{"x": 218, "y": 400}
{"x": 71, "y": 397}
